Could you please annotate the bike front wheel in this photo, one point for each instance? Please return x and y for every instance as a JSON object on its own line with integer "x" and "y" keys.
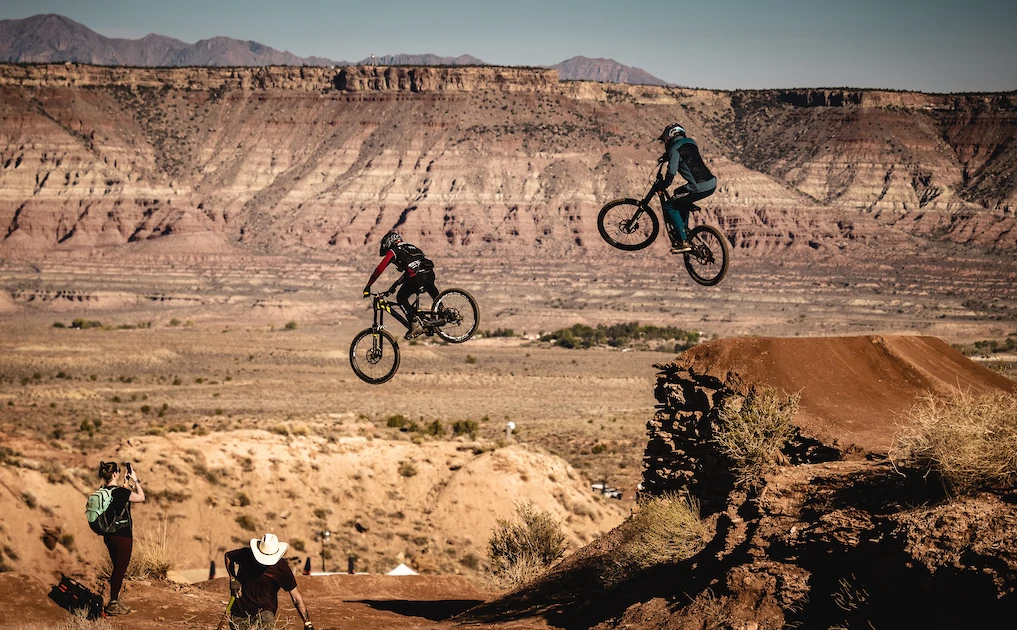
{"x": 458, "y": 315}
{"x": 374, "y": 356}
{"x": 627, "y": 225}
{"x": 707, "y": 262}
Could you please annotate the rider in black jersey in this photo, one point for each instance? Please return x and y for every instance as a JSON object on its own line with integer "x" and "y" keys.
{"x": 683, "y": 157}
{"x": 418, "y": 273}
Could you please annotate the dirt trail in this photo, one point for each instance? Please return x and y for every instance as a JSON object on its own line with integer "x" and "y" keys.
{"x": 334, "y": 601}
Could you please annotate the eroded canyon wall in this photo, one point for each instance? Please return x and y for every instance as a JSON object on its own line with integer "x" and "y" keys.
{"x": 470, "y": 160}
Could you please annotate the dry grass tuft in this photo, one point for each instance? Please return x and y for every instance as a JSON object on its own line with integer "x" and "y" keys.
{"x": 76, "y": 621}
{"x": 666, "y": 529}
{"x": 753, "y": 432}
{"x": 524, "y": 547}
{"x": 154, "y": 555}
{"x": 970, "y": 442}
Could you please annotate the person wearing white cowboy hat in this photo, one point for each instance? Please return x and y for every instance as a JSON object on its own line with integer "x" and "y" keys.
{"x": 256, "y": 574}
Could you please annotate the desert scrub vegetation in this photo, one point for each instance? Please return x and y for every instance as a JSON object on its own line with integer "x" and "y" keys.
{"x": 753, "y": 431}
{"x": 407, "y": 469}
{"x": 78, "y": 620}
{"x": 246, "y": 523}
{"x": 581, "y": 336}
{"x": 154, "y": 555}
{"x": 498, "y": 332}
{"x": 666, "y": 529}
{"x": 969, "y": 442}
{"x": 989, "y": 347}
{"x": 465, "y": 427}
{"x": 522, "y": 548}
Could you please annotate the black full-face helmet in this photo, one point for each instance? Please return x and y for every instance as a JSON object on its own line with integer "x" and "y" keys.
{"x": 671, "y": 133}
{"x": 388, "y": 241}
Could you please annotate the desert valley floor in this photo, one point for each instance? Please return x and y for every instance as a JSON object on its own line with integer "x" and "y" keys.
{"x": 229, "y": 385}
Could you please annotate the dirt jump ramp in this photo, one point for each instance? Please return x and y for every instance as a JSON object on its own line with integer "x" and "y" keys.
{"x": 853, "y": 391}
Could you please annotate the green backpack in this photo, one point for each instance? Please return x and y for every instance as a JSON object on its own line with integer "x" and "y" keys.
{"x": 100, "y": 517}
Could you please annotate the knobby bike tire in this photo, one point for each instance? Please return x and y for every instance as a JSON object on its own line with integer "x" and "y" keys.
{"x": 626, "y": 225}
{"x": 461, "y": 309}
{"x": 371, "y": 362}
{"x": 707, "y": 262}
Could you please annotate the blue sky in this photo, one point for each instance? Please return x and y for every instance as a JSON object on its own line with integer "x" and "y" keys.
{"x": 932, "y": 46}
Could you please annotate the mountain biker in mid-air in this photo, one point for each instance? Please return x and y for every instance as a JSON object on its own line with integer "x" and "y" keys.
{"x": 683, "y": 157}
{"x": 418, "y": 273}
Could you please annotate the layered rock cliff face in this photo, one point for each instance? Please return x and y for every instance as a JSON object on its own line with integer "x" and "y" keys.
{"x": 468, "y": 160}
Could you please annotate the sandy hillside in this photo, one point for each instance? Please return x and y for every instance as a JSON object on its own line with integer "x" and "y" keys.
{"x": 432, "y": 504}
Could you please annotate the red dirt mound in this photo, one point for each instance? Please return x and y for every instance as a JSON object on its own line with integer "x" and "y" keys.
{"x": 26, "y": 600}
{"x": 853, "y": 389}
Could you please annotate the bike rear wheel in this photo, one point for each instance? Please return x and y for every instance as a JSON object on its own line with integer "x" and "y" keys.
{"x": 707, "y": 262}
{"x": 374, "y": 356}
{"x": 624, "y": 224}
{"x": 458, "y": 315}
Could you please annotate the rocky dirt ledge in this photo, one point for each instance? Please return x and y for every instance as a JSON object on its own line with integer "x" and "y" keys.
{"x": 839, "y": 540}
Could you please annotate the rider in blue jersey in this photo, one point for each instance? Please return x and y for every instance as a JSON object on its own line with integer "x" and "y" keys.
{"x": 683, "y": 157}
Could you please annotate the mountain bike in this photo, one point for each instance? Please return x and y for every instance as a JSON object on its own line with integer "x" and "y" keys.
{"x": 374, "y": 353}
{"x": 630, "y": 225}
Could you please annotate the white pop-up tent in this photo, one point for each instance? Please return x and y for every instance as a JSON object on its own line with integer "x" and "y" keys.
{"x": 402, "y": 569}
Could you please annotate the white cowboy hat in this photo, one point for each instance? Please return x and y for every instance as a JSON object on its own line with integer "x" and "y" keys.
{"x": 268, "y": 550}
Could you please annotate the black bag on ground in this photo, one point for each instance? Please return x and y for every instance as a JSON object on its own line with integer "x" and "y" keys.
{"x": 73, "y": 596}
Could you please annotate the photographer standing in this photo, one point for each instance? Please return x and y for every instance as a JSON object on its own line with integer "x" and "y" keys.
{"x": 120, "y": 539}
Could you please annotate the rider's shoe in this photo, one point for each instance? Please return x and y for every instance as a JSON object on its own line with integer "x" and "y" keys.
{"x": 679, "y": 246}
{"x": 116, "y": 608}
{"x": 415, "y": 330}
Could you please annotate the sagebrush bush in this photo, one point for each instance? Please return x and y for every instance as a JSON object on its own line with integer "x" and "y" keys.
{"x": 753, "y": 431}
{"x": 522, "y": 548}
{"x": 246, "y": 523}
{"x": 154, "y": 555}
{"x": 665, "y": 529}
{"x": 970, "y": 442}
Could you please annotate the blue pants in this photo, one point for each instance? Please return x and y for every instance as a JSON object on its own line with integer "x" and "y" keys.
{"x": 676, "y": 210}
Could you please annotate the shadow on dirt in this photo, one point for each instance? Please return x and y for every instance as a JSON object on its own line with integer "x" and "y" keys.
{"x": 589, "y": 590}
{"x": 873, "y": 580}
{"x": 438, "y": 610}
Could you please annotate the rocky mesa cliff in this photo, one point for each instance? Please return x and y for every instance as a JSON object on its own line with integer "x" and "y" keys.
{"x": 466, "y": 160}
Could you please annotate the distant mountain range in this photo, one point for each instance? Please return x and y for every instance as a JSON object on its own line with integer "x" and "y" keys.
{"x": 54, "y": 38}
{"x": 603, "y": 71}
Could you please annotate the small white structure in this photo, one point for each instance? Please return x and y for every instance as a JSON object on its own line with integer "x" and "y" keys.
{"x": 606, "y": 490}
{"x": 402, "y": 569}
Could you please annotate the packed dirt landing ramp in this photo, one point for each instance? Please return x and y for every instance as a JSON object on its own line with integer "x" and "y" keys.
{"x": 853, "y": 389}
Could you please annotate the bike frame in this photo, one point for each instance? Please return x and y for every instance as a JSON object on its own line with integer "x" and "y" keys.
{"x": 382, "y": 306}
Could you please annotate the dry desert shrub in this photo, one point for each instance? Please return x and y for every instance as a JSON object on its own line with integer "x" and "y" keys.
{"x": 76, "y": 621}
{"x": 521, "y": 548}
{"x": 666, "y": 529}
{"x": 753, "y": 431}
{"x": 970, "y": 442}
{"x": 154, "y": 555}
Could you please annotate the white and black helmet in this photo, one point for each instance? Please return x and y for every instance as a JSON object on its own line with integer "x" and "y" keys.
{"x": 388, "y": 241}
{"x": 671, "y": 133}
